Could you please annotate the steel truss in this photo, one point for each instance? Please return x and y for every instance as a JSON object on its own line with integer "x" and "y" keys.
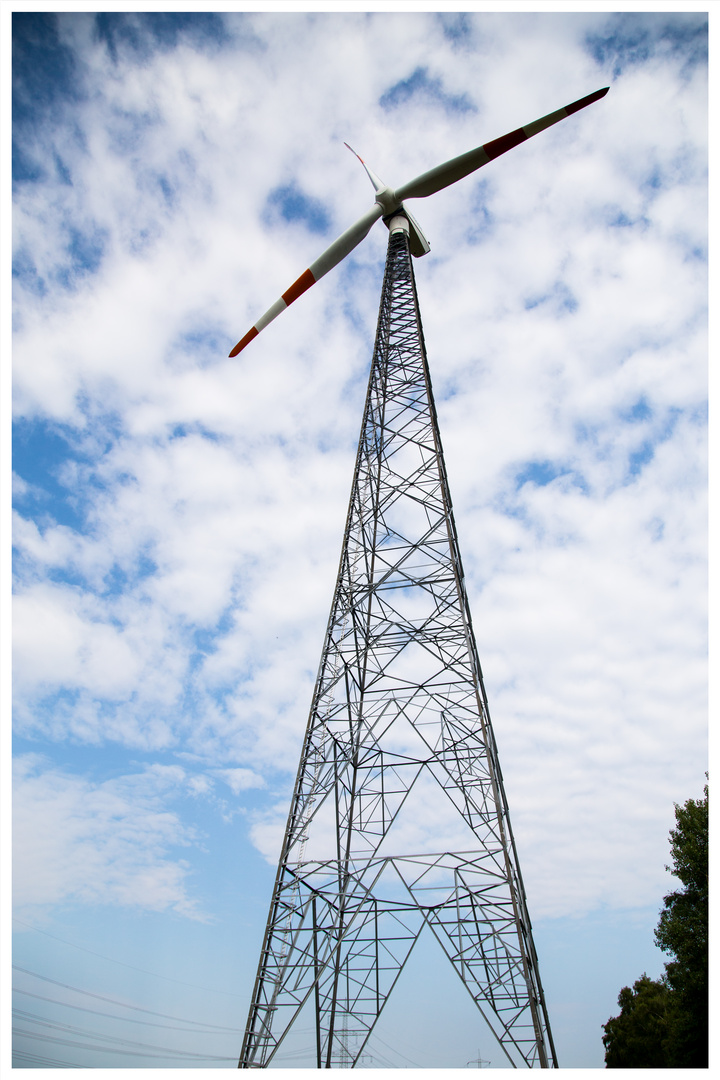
{"x": 399, "y": 733}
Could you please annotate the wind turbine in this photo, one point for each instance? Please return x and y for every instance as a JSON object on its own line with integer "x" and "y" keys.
{"x": 389, "y": 203}
{"x": 399, "y": 738}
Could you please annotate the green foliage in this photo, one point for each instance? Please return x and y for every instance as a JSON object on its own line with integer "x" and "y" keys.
{"x": 683, "y": 933}
{"x": 637, "y": 1038}
{"x": 664, "y": 1023}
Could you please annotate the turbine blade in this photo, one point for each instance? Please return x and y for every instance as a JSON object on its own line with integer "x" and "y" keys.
{"x": 329, "y": 258}
{"x": 374, "y": 180}
{"x": 443, "y": 175}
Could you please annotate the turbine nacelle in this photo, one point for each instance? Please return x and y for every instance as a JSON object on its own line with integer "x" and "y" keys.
{"x": 389, "y": 203}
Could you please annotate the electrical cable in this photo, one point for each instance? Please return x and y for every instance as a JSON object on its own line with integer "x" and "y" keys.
{"x": 377, "y": 1038}
{"x": 212, "y": 1029}
{"x": 174, "y": 1055}
{"x": 33, "y": 1018}
{"x": 155, "y": 975}
{"x": 114, "y": 1001}
{"x": 45, "y": 1062}
{"x": 197, "y": 1028}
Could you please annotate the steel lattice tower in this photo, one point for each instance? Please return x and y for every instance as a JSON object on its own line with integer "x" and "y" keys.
{"x": 399, "y": 730}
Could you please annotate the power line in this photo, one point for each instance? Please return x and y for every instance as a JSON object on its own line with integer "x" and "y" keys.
{"x": 112, "y": 960}
{"x": 45, "y": 1062}
{"x": 170, "y": 1055}
{"x": 119, "y": 1040}
{"x": 114, "y": 1001}
{"x": 376, "y": 1038}
{"x": 117, "y": 1045}
{"x": 35, "y": 1018}
{"x": 212, "y": 1028}
{"x": 370, "y": 1050}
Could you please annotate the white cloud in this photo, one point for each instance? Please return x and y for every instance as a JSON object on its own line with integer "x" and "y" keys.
{"x": 240, "y": 779}
{"x": 187, "y": 609}
{"x": 102, "y": 843}
{"x": 55, "y": 642}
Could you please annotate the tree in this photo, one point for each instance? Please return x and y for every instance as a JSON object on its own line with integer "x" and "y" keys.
{"x": 683, "y": 933}
{"x": 637, "y": 1038}
{"x": 664, "y": 1023}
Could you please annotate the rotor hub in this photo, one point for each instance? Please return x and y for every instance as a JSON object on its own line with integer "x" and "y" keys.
{"x": 387, "y": 200}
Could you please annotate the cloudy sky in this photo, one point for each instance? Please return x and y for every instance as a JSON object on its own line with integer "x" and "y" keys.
{"x": 178, "y": 515}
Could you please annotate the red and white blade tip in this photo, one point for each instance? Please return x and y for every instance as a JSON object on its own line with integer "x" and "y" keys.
{"x": 353, "y": 152}
{"x": 329, "y": 258}
{"x": 297, "y": 288}
{"x": 514, "y": 138}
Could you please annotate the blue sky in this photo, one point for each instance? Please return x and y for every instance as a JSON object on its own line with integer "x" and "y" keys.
{"x": 178, "y": 515}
